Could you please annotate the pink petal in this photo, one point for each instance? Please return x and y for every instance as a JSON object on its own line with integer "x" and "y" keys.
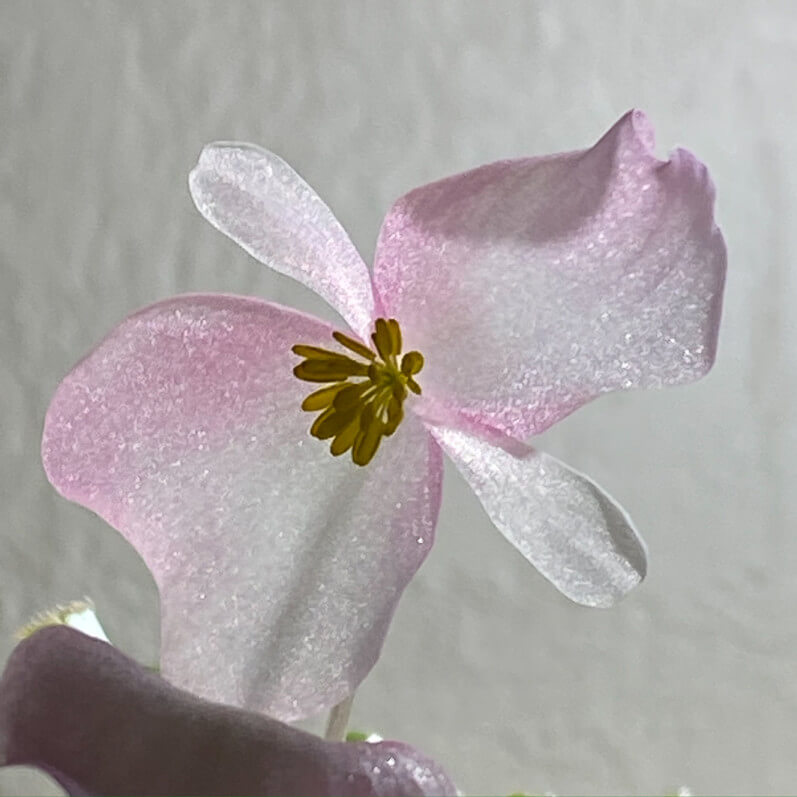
{"x": 99, "y": 723}
{"x": 279, "y": 566}
{"x": 256, "y": 199}
{"x": 532, "y": 286}
{"x": 575, "y": 534}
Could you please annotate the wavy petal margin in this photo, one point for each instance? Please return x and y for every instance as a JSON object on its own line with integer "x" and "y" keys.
{"x": 279, "y": 567}
{"x": 532, "y": 286}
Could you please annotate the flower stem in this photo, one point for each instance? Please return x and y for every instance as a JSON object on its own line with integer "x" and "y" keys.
{"x": 339, "y": 720}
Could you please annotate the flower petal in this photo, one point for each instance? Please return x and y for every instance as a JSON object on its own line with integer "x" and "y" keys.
{"x": 532, "y": 286}
{"x": 575, "y": 534}
{"x": 279, "y": 566}
{"x": 100, "y": 723}
{"x": 260, "y": 202}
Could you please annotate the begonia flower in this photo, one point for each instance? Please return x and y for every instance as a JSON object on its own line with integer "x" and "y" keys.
{"x": 519, "y": 291}
{"x": 99, "y": 723}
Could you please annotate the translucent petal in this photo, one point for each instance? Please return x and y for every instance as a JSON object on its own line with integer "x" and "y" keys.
{"x": 575, "y": 534}
{"x": 100, "y": 723}
{"x": 278, "y": 565}
{"x": 531, "y": 286}
{"x": 260, "y": 202}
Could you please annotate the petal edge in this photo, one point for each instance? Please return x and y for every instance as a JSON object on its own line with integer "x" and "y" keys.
{"x": 572, "y": 531}
{"x": 279, "y": 566}
{"x": 102, "y": 724}
{"x": 258, "y": 200}
{"x": 534, "y": 285}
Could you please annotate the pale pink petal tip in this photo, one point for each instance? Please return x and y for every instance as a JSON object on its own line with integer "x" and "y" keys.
{"x": 532, "y": 286}
{"x": 258, "y": 200}
{"x": 99, "y": 723}
{"x": 279, "y": 566}
{"x": 575, "y": 534}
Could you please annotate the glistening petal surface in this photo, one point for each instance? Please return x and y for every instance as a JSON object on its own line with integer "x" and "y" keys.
{"x": 260, "y": 202}
{"x": 575, "y": 534}
{"x": 100, "y": 723}
{"x": 278, "y": 565}
{"x": 532, "y": 286}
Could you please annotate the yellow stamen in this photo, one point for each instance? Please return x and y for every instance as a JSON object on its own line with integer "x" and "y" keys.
{"x": 321, "y": 399}
{"x": 395, "y": 335}
{"x": 358, "y": 414}
{"x": 316, "y": 370}
{"x": 382, "y": 340}
{"x": 411, "y": 363}
{"x": 354, "y": 345}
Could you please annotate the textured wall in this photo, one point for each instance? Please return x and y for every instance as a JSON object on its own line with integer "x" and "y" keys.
{"x": 103, "y": 109}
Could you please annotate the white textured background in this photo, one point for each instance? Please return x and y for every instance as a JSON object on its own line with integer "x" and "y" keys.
{"x": 103, "y": 109}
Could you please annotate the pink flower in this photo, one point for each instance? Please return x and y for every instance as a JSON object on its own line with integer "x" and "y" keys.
{"x": 99, "y": 723}
{"x": 529, "y": 287}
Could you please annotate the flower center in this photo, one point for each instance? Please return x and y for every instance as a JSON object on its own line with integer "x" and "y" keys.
{"x": 365, "y": 401}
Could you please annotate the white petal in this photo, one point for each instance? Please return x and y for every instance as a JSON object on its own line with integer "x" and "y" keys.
{"x": 278, "y": 565}
{"x": 575, "y": 534}
{"x": 260, "y": 202}
{"x": 532, "y": 286}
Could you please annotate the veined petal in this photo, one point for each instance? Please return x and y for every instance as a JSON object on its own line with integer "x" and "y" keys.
{"x": 575, "y": 534}
{"x": 532, "y": 286}
{"x": 100, "y": 723}
{"x": 278, "y": 565}
{"x": 260, "y": 202}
